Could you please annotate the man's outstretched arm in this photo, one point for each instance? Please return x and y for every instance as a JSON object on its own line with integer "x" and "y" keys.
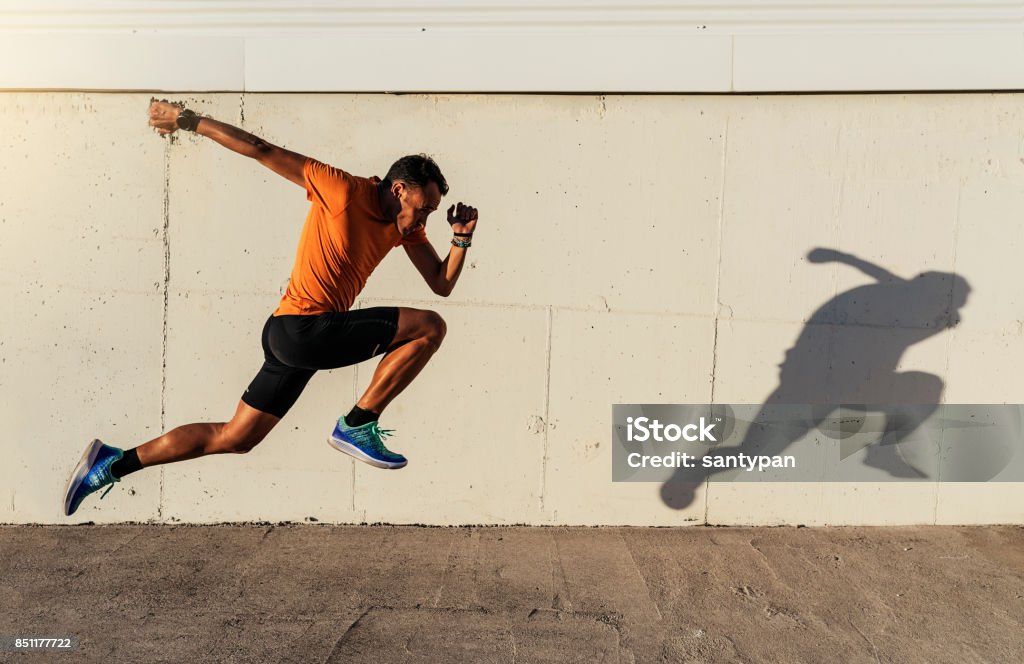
{"x": 164, "y": 117}
{"x": 876, "y": 272}
{"x": 441, "y": 275}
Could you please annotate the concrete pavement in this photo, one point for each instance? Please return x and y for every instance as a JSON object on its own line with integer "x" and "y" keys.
{"x": 311, "y": 593}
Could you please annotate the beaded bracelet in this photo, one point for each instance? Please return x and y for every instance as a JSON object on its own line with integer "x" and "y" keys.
{"x": 462, "y": 244}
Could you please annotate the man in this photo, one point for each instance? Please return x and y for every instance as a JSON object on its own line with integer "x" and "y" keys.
{"x": 352, "y": 224}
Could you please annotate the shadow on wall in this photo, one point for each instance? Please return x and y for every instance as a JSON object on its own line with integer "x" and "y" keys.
{"x": 848, "y": 353}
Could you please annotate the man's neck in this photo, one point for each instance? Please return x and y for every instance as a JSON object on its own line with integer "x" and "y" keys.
{"x": 387, "y": 201}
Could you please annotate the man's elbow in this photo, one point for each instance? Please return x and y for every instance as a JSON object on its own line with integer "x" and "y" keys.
{"x": 444, "y": 290}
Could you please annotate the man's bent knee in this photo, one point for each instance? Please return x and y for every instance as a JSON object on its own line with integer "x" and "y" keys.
{"x": 435, "y": 328}
{"x": 246, "y": 430}
{"x": 237, "y": 442}
{"x": 417, "y": 324}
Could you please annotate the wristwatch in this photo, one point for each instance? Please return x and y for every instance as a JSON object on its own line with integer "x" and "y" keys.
{"x": 188, "y": 120}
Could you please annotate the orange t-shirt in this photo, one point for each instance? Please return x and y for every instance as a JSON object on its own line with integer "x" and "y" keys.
{"x": 344, "y": 238}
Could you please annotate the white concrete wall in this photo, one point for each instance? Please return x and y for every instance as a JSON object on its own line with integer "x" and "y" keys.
{"x": 631, "y": 249}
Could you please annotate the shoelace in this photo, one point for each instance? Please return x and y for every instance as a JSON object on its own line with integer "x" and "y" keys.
{"x": 377, "y": 436}
{"x": 106, "y": 471}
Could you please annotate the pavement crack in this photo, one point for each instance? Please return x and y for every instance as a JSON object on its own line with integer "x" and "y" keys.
{"x": 643, "y": 581}
{"x": 126, "y": 543}
{"x": 876, "y": 599}
{"x": 341, "y": 639}
{"x": 874, "y": 649}
{"x": 771, "y": 567}
{"x": 298, "y": 639}
{"x": 249, "y": 563}
{"x": 447, "y": 571}
{"x": 558, "y": 601}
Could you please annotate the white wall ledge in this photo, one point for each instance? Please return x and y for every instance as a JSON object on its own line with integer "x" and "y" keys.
{"x": 461, "y": 46}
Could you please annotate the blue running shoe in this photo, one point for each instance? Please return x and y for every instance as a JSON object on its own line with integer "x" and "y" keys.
{"x": 366, "y": 444}
{"x": 91, "y": 474}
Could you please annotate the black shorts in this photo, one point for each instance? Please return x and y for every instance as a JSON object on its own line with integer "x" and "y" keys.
{"x": 296, "y": 347}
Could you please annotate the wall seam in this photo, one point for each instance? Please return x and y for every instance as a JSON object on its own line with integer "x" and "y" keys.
{"x": 547, "y": 408}
{"x": 355, "y": 397}
{"x": 718, "y": 292}
{"x": 732, "y": 65}
{"x": 166, "y": 239}
{"x": 949, "y": 342}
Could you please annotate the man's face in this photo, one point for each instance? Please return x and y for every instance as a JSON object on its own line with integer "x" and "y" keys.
{"x": 417, "y": 204}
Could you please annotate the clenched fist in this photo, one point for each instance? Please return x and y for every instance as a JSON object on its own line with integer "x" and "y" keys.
{"x": 462, "y": 218}
{"x": 163, "y": 116}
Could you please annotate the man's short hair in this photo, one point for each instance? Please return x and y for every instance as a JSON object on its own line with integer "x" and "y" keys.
{"x": 417, "y": 170}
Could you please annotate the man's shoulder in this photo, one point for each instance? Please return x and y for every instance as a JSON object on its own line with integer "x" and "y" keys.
{"x": 368, "y": 182}
{"x": 362, "y": 187}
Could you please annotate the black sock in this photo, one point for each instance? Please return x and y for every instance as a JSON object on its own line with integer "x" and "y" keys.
{"x": 127, "y": 464}
{"x": 357, "y": 417}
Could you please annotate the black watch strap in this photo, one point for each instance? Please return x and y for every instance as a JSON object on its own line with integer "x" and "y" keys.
{"x": 188, "y": 120}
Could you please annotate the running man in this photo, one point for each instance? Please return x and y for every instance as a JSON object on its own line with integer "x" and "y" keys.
{"x": 352, "y": 224}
